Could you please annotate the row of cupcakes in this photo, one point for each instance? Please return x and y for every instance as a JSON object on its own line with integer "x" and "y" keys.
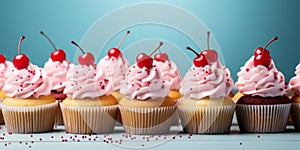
{"x": 147, "y": 93}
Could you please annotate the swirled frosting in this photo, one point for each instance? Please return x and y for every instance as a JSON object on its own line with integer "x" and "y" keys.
{"x": 143, "y": 83}
{"x": 57, "y": 72}
{"x": 260, "y": 81}
{"x": 212, "y": 81}
{"x": 170, "y": 73}
{"x": 4, "y": 67}
{"x": 115, "y": 69}
{"x": 85, "y": 82}
{"x": 294, "y": 84}
{"x": 30, "y": 82}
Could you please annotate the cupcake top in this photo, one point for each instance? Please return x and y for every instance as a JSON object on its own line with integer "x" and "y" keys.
{"x": 143, "y": 83}
{"x": 4, "y": 67}
{"x": 57, "y": 72}
{"x": 170, "y": 73}
{"x": 28, "y": 82}
{"x": 114, "y": 68}
{"x": 260, "y": 80}
{"x": 294, "y": 84}
{"x": 84, "y": 81}
{"x": 212, "y": 81}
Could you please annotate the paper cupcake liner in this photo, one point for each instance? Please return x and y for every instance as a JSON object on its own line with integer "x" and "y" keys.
{"x": 206, "y": 120}
{"x": 119, "y": 119}
{"x": 58, "y": 116}
{"x": 262, "y": 118}
{"x": 147, "y": 120}
{"x": 295, "y": 112}
{"x": 175, "y": 120}
{"x": 88, "y": 120}
{"x": 32, "y": 119}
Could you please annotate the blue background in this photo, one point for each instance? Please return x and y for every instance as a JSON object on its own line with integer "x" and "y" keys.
{"x": 238, "y": 26}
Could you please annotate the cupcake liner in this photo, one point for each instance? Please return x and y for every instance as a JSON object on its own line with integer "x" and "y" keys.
{"x": 175, "y": 120}
{"x": 58, "y": 115}
{"x": 31, "y": 119}
{"x": 206, "y": 120}
{"x": 119, "y": 119}
{"x": 88, "y": 120}
{"x": 147, "y": 120}
{"x": 262, "y": 118}
{"x": 295, "y": 112}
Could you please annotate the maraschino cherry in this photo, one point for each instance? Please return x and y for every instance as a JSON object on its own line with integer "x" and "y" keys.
{"x": 161, "y": 57}
{"x": 57, "y": 54}
{"x": 2, "y": 59}
{"x": 199, "y": 60}
{"x": 262, "y": 55}
{"x": 210, "y": 54}
{"x": 206, "y": 57}
{"x": 86, "y": 58}
{"x": 144, "y": 60}
{"x": 115, "y": 52}
{"x": 21, "y": 61}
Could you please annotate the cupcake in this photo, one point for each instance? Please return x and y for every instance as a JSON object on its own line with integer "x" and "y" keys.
{"x": 29, "y": 106}
{"x": 294, "y": 86}
{"x": 89, "y": 106}
{"x": 115, "y": 66}
{"x": 264, "y": 107}
{"x": 205, "y": 107}
{"x": 56, "y": 69}
{"x": 144, "y": 106}
{"x": 171, "y": 75}
{"x": 4, "y": 67}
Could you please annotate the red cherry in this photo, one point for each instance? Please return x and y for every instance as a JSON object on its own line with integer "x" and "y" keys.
{"x": 210, "y": 55}
{"x": 114, "y": 52}
{"x": 263, "y": 59}
{"x": 2, "y": 59}
{"x": 56, "y": 55}
{"x": 86, "y": 58}
{"x": 21, "y": 61}
{"x": 262, "y": 56}
{"x": 260, "y": 50}
{"x": 143, "y": 60}
{"x": 200, "y": 61}
{"x": 161, "y": 57}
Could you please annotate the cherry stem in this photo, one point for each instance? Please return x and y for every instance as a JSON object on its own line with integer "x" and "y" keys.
{"x": 73, "y": 42}
{"x": 48, "y": 40}
{"x": 159, "y": 45}
{"x": 272, "y": 40}
{"x": 189, "y": 48}
{"x": 207, "y": 40}
{"x": 123, "y": 38}
{"x": 19, "y": 45}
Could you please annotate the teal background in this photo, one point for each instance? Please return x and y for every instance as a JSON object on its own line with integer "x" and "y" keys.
{"x": 239, "y": 26}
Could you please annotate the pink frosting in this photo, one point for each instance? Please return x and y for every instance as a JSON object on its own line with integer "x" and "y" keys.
{"x": 143, "y": 83}
{"x": 57, "y": 72}
{"x": 212, "y": 81}
{"x": 260, "y": 81}
{"x": 32, "y": 81}
{"x": 294, "y": 84}
{"x": 170, "y": 73}
{"x": 3, "y": 69}
{"x": 115, "y": 69}
{"x": 85, "y": 82}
